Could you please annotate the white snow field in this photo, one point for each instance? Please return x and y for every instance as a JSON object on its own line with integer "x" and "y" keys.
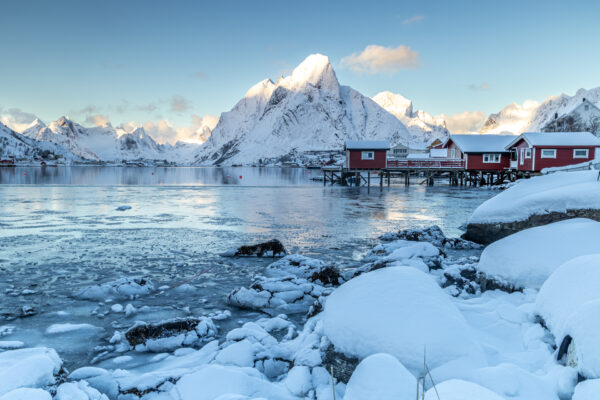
{"x": 527, "y": 258}
{"x": 381, "y": 376}
{"x": 401, "y": 311}
{"x": 558, "y": 192}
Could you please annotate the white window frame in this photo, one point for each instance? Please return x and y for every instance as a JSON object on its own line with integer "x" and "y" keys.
{"x": 528, "y": 153}
{"x": 546, "y": 156}
{"x": 492, "y": 158}
{"x": 587, "y": 153}
{"x": 367, "y": 155}
{"x": 452, "y": 153}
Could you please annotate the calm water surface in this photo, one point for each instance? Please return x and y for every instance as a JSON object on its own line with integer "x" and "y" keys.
{"x": 60, "y": 231}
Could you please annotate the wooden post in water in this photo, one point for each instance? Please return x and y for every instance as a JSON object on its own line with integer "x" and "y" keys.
{"x": 369, "y": 179}
{"x": 388, "y": 178}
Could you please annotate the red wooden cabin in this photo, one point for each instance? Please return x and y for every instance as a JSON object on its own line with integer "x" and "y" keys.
{"x": 534, "y": 151}
{"x": 363, "y": 154}
{"x": 480, "y": 152}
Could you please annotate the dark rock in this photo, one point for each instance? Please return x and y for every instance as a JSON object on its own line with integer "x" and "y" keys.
{"x": 472, "y": 281}
{"x": 343, "y": 365}
{"x": 327, "y": 276}
{"x": 140, "y": 333}
{"x": 273, "y": 247}
{"x": 488, "y": 233}
{"x": 433, "y": 235}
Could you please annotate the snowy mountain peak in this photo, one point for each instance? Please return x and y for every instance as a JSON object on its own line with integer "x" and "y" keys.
{"x": 260, "y": 89}
{"x": 315, "y": 70}
{"x": 394, "y": 103}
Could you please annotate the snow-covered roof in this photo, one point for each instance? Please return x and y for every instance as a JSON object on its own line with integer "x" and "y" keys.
{"x": 557, "y": 139}
{"x": 481, "y": 143}
{"x": 367, "y": 145}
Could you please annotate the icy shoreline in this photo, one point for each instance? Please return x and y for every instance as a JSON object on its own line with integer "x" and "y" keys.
{"x": 488, "y": 339}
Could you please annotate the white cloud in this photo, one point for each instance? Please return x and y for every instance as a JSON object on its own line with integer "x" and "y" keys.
{"x": 16, "y": 119}
{"x": 164, "y": 131}
{"x": 97, "y": 120}
{"x": 413, "y": 19}
{"x": 376, "y": 59}
{"x": 464, "y": 122}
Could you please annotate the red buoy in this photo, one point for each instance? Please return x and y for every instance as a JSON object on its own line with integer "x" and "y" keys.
{"x": 240, "y": 177}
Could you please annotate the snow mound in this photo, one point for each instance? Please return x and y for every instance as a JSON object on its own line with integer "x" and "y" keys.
{"x": 572, "y": 285}
{"x": 34, "y": 367}
{"x": 400, "y": 311}
{"x": 456, "y": 389}
{"x": 587, "y": 390}
{"x": 382, "y": 377}
{"x": 78, "y": 391}
{"x": 212, "y": 381}
{"x": 527, "y": 258}
{"x": 121, "y": 288}
{"x": 556, "y": 192}
{"x": 26, "y": 394}
{"x": 309, "y": 268}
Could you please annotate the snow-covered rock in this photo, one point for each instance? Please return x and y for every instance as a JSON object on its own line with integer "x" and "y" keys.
{"x": 580, "y": 336}
{"x": 212, "y": 381}
{"x": 32, "y": 367}
{"x": 26, "y": 394}
{"x": 299, "y": 266}
{"x": 170, "y": 334}
{"x": 307, "y": 110}
{"x": 400, "y": 311}
{"x": 433, "y": 235}
{"x": 381, "y": 376}
{"x": 587, "y": 390}
{"x": 558, "y": 192}
{"x": 420, "y": 255}
{"x": 278, "y": 295}
{"x": 571, "y": 285}
{"x": 529, "y": 257}
{"x": 456, "y": 389}
{"x": 121, "y": 288}
{"x": 78, "y": 391}
{"x": 57, "y": 329}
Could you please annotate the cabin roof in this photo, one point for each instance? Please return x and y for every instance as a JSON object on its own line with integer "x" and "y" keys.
{"x": 481, "y": 143}
{"x": 367, "y": 145}
{"x": 557, "y": 139}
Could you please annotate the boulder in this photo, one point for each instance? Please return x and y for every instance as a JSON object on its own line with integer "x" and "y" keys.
{"x": 270, "y": 248}
{"x": 170, "y": 334}
{"x": 433, "y": 235}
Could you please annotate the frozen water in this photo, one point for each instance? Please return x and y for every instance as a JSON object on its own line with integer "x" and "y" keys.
{"x": 60, "y": 234}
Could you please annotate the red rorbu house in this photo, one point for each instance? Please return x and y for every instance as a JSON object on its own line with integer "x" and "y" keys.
{"x": 480, "y": 152}
{"x": 366, "y": 154}
{"x": 534, "y": 151}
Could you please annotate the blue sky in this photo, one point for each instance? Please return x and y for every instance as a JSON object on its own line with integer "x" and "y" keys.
{"x": 152, "y": 60}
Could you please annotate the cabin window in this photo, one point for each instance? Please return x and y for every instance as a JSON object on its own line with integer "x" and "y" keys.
{"x": 548, "y": 153}
{"x": 491, "y": 158}
{"x": 587, "y": 108}
{"x": 368, "y": 155}
{"x": 527, "y": 153}
{"x": 581, "y": 153}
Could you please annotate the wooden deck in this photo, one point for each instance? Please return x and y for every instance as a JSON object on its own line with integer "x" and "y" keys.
{"x": 426, "y": 164}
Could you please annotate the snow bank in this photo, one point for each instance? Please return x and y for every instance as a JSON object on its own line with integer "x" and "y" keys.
{"x": 26, "y": 394}
{"x": 382, "y": 377}
{"x": 456, "y": 389}
{"x": 557, "y": 192}
{"x": 212, "y": 381}
{"x": 400, "y": 311}
{"x": 32, "y": 368}
{"x": 587, "y": 390}
{"x": 78, "y": 391}
{"x": 529, "y": 257}
{"x": 572, "y": 285}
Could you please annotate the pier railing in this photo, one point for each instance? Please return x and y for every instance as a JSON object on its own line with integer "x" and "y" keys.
{"x": 427, "y": 164}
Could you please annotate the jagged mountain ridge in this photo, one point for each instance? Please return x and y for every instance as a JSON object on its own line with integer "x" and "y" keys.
{"x": 19, "y": 147}
{"x": 422, "y": 125}
{"x": 106, "y": 143}
{"x": 307, "y": 110}
{"x": 532, "y": 116}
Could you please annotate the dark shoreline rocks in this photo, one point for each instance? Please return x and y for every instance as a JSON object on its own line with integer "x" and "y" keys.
{"x": 490, "y": 232}
{"x": 271, "y": 248}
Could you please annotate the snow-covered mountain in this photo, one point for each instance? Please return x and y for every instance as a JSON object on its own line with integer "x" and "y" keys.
{"x": 570, "y": 111}
{"x": 308, "y": 110}
{"x": 106, "y": 143}
{"x": 422, "y": 125}
{"x": 19, "y": 147}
